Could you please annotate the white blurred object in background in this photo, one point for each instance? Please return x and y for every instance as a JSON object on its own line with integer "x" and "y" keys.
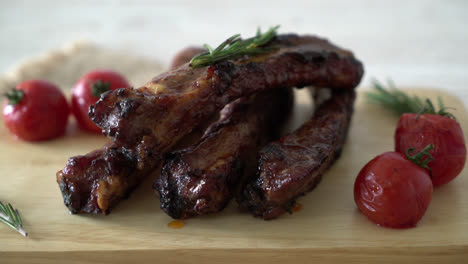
{"x": 416, "y": 43}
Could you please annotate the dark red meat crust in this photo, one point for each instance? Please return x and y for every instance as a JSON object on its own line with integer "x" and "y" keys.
{"x": 294, "y": 165}
{"x": 154, "y": 116}
{"x": 147, "y": 122}
{"x": 202, "y": 178}
{"x": 95, "y": 182}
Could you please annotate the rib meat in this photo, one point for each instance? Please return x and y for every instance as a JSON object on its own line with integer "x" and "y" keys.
{"x": 147, "y": 122}
{"x": 95, "y": 182}
{"x": 201, "y": 179}
{"x": 152, "y": 118}
{"x": 294, "y": 165}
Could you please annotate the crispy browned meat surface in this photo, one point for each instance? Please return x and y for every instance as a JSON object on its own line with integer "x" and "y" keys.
{"x": 202, "y": 179}
{"x": 147, "y": 122}
{"x": 95, "y": 182}
{"x": 153, "y": 117}
{"x": 294, "y": 165}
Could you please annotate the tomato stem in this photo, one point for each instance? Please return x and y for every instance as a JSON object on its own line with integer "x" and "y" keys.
{"x": 421, "y": 158}
{"x": 14, "y": 96}
{"x": 99, "y": 87}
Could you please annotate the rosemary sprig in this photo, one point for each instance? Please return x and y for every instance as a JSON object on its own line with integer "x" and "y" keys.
{"x": 234, "y": 47}
{"x": 400, "y": 102}
{"x": 12, "y": 218}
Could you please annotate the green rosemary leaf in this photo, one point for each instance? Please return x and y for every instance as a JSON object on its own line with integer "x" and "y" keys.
{"x": 12, "y": 218}
{"x": 399, "y": 102}
{"x": 234, "y": 47}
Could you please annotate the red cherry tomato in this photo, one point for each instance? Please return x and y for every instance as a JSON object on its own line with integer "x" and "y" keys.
{"x": 393, "y": 191}
{"x": 88, "y": 90}
{"x": 36, "y": 110}
{"x": 447, "y": 136}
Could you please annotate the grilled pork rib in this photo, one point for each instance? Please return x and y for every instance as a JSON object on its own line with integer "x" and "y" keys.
{"x": 95, "y": 182}
{"x": 153, "y": 117}
{"x": 147, "y": 122}
{"x": 202, "y": 178}
{"x": 294, "y": 165}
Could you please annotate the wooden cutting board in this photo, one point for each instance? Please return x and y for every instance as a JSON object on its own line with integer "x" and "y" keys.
{"x": 328, "y": 229}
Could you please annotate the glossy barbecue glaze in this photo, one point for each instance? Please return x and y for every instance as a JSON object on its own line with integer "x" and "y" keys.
{"x": 94, "y": 182}
{"x": 148, "y": 121}
{"x": 168, "y": 107}
{"x": 294, "y": 165}
{"x": 202, "y": 178}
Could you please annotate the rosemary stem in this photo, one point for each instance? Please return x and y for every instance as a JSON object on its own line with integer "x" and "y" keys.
{"x": 19, "y": 229}
{"x": 12, "y": 218}
{"x": 5, "y": 219}
{"x": 22, "y": 232}
{"x": 234, "y": 47}
{"x": 400, "y": 102}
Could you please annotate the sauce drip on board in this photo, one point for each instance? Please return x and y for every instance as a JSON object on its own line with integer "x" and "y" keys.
{"x": 176, "y": 224}
{"x": 296, "y": 207}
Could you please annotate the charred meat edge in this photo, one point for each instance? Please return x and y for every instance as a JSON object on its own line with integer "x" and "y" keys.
{"x": 294, "y": 165}
{"x": 151, "y": 118}
{"x": 202, "y": 179}
{"x": 145, "y": 123}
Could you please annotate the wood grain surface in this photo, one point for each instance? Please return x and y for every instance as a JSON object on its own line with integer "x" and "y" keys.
{"x": 328, "y": 229}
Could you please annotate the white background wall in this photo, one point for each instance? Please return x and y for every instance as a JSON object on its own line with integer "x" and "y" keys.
{"x": 417, "y": 43}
